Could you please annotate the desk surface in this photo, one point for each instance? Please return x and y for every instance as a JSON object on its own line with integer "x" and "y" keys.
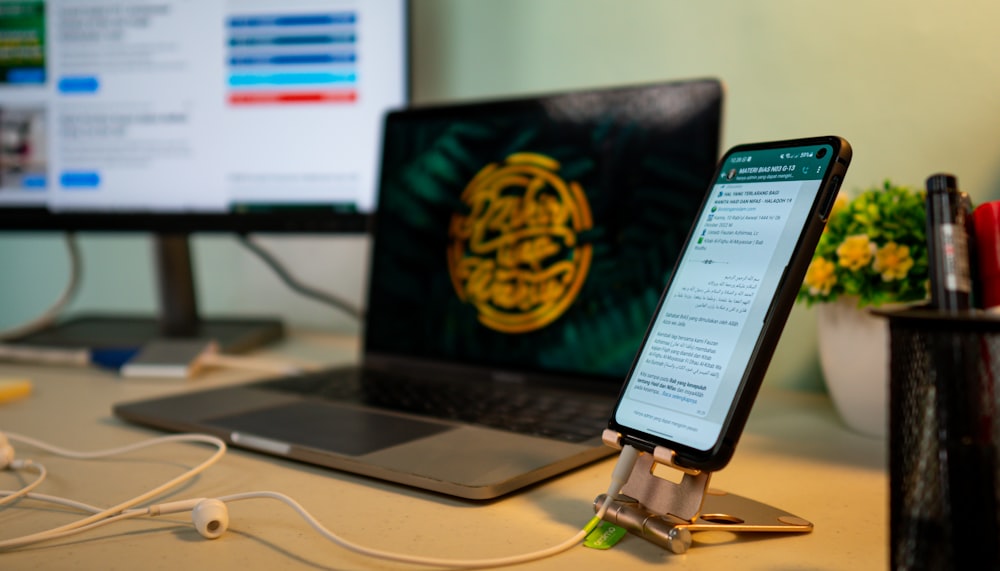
{"x": 795, "y": 455}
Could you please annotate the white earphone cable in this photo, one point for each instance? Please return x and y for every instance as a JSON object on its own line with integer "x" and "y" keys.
{"x": 125, "y": 510}
{"x": 65, "y": 502}
{"x": 57, "y": 534}
{"x": 117, "y": 509}
{"x": 416, "y": 559}
{"x": 25, "y": 465}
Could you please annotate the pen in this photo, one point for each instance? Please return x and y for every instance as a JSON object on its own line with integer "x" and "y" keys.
{"x": 987, "y": 225}
{"x": 13, "y": 389}
{"x": 112, "y": 358}
{"x": 947, "y": 245}
{"x": 958, "y": 393}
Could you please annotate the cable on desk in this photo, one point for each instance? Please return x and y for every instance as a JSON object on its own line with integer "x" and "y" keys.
{"x": 56, "y": 500}
{"x": 626, "y": 461}
{"x": 10, "y": 462}
{"x": 213, "y": 520}
{"x": 113, "y": 511}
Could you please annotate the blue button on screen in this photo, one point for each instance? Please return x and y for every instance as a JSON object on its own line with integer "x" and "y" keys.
{"x": 81, "y": 84}
{"x": 79, "y": 180}
{"x": 33, "y": 181}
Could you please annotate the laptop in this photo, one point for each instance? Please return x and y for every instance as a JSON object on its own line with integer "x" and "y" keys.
{"x": 519, "y": 249}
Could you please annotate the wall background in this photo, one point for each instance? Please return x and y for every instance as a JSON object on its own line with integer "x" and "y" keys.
{"x": 913, "y": 85}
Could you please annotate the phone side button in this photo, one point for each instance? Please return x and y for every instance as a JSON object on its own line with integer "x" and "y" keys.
{"x": 824, "y": 212}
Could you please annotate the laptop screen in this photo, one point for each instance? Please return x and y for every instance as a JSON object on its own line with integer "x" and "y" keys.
{"x": 536, "y": 235}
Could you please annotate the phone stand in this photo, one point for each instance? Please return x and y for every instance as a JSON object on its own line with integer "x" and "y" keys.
{"x": 666, "y": 512}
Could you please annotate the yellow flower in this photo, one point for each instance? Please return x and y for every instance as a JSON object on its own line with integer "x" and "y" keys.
{"x": 821, "y": 276}
{"x": 855, "y": 252}
{"x": 893, "y": 261}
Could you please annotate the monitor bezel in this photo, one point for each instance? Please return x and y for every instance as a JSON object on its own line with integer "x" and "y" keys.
{"x": 305, "y": 222}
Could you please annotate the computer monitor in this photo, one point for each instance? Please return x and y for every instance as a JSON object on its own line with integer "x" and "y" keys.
{"x": 175, "y": 116}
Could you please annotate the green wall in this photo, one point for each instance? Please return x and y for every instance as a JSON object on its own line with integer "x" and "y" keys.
{"x": 913, "y": 85}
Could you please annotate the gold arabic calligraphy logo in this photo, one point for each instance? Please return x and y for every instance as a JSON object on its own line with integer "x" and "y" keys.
{"x": 516, "y": 255}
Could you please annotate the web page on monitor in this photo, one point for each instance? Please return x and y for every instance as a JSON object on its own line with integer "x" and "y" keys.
{"x": 196, "y": 106}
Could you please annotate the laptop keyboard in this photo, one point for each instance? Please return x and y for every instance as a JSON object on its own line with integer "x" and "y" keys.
{"x": 564, "y": 416}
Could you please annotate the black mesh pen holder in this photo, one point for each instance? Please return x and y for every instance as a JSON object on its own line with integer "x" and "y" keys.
{"x": 943, "y": 440}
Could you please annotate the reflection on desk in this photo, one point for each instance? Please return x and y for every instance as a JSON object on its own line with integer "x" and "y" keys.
{"x": 795, "y": 455}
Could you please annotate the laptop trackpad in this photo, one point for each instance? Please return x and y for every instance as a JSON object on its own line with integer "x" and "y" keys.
{"x": 329, "y": 427}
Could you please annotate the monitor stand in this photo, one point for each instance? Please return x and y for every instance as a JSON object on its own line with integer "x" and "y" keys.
{"x": 178, "y": 315}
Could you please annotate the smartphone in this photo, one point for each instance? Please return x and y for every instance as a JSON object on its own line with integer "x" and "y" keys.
{"x": 696, "y": 375}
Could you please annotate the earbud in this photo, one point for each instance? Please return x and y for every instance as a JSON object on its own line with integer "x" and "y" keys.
{"x": 211, "y": 518}
{"x": 6, "y": 453}
{"x": 209, "y": 515}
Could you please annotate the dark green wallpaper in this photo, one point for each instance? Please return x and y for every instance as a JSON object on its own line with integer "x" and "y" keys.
{"x": 643, "y": 157}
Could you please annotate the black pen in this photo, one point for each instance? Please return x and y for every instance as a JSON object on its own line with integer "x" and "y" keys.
{"x": 947, "y": 245}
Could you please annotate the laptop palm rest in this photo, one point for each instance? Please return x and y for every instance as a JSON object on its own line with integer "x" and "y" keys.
{"x": 337, "y": 429}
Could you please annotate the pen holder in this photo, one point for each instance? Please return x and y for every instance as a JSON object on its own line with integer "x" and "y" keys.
{"x": 944, "y": 431}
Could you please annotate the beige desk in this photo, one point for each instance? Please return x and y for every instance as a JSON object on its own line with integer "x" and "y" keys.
{"x": 795, "y": 455}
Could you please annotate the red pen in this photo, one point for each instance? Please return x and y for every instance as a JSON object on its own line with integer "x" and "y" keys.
{"x": 987, "y": 223}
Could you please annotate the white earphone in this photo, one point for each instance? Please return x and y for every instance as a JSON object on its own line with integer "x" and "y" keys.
{"x": 211, "y": 515}
{"x": 98, "y": 516}
{"x": 211, "y": 518}
{"x": 6, "y": 452}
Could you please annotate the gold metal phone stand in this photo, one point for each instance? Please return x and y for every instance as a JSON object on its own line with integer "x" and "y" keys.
{"x": 666, "y": 512}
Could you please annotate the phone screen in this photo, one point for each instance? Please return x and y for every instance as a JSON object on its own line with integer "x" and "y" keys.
{"x": 693, "y": 364}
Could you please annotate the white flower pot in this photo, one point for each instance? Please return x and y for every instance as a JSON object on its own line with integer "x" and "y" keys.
{"x": 854, "y": 356}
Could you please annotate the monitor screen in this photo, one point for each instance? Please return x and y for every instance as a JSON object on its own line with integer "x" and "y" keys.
{"x": 194, "y": 115}
{"x": 181, "y": 116}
